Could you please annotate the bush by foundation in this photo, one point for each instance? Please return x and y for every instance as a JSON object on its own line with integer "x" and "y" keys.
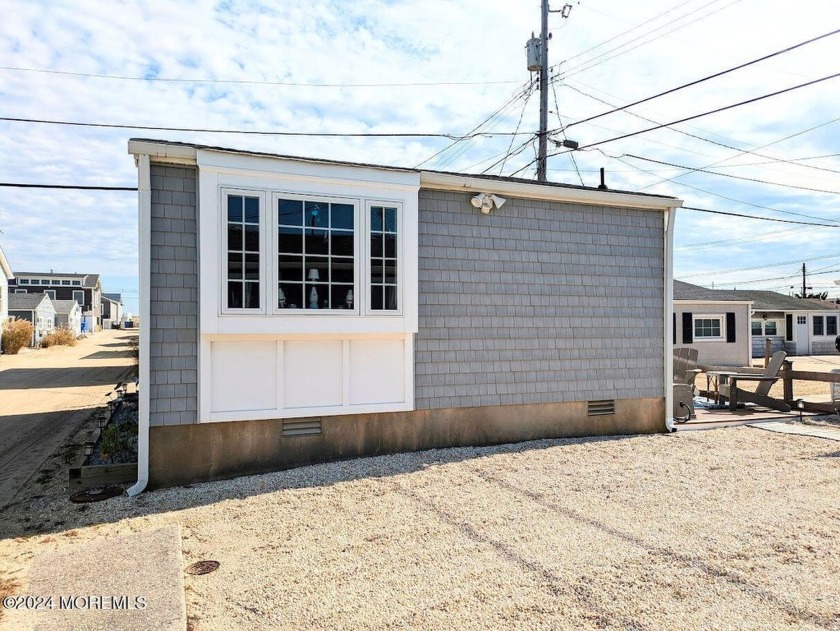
{"x": 16, "y": 335}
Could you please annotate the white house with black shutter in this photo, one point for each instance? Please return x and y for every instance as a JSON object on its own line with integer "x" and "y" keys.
{"x": 730, "y": 327}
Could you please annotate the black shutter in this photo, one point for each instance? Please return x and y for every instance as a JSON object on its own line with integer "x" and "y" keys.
{"x": 675, "y": 327}
{"x": 789, "y": 327}
{"x": 688, "y": 328}
{"x": 730, "y": 327}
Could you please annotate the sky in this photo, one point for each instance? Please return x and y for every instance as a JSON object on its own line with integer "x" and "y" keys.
{"x": 434, "y": 67}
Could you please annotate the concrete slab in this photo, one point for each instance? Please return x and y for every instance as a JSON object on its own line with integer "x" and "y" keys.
{"x": 817, "y": 431}
{"x": 130, "y": 583}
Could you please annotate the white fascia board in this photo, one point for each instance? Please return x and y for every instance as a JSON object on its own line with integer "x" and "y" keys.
{"x": 465, "y": 183}
{"x": 313, "y": 170}
{"x": 5, "y": 267}
{"x": 160, "y": 152}
{"x": 713, "y": 302}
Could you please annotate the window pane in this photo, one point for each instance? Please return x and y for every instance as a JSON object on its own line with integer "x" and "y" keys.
{"x": 390, "y": 220}
{"x": 376, "y": 246}
{"x": 831, "y": 325}
{"x": 290, "y": 268}
{"x": 376, "y": 219}
{"x": 341, "y": 271}
{"x": 756, "y": 327}
{"x": 391, "y": 246}
{"x": 316, "y": 215}
{"x": 317, "y": 269}
{"x": 770, "y": 328}
{"x": 252, "y": 267}
{"x": 234, "y": 208}
{"x": 252, "y": 238}
{"x": 818, "y": 325}
{"x": 235, "y": 266}
{"x": 252, "y": 210}
{"x": 391, "y": 271}
{"x": 252, "y": 295}
{"x": 234, "y": 295}
{"x": 391, "y": 297}
{"x": 317, "y": 296}
{"x": 317, "y": 241}
{"x": 291, "y": 240}
{"x": 341, "y": 297}
{"x": 341, "y": 216}
{"x": 290, "y": 296}
{"x": 376, "y": 271}
{"x": 291, "y": 212}
{"x": 376, "y": 295}
{"x": 342, "y": 243}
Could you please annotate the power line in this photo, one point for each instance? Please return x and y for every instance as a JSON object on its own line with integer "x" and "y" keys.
{"x": 68, "y": 187}
{"x": 253, "y": 81}
{"x": 714, "y": 111}
{"x": 731, "y": 214}
{"x": 707, "y": 78}
{"x": 763, "y": 266}
{"x": 729, "y": 175}
{"x": 261, "y": 133}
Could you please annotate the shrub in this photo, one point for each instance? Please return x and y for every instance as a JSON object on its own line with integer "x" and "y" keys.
{"x": 16, "y": 335}
{"x": 60, "y": 337}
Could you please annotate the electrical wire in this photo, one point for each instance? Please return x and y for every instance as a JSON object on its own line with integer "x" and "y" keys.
{"x": 68, "y": 187}
{"x": 563, "y": 131}
{"x": 731, "y": 214}
{"x": 512, "y": 138}
{"x": 253, "y": 81}
{"x": 764, "y": 266}
{"x": 703, "y": 79}
{"x": 258, "y": 133}
{"x": 729, "y": 175}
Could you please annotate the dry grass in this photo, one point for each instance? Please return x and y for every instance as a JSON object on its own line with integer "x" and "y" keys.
{"x": 733, "y": 528}
{"x": 60, "y": 337}
{"x": 8, "y": 587}
{"x": 16, "y": 335}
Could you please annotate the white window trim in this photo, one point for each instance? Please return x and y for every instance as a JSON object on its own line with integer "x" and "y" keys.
{"x": 708, "y": 316}
{"x": 50, "y": 293}
{"x": 379, "y": 313}
{"x": 275, "y": 251}
{"x": 222, "y": 255}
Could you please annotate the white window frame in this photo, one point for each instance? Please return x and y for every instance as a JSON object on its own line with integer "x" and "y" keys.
{"x": 275, "y": 252}
{"x": 23, "y": 281}
{"x": 705, "y": 338}
{"x": 224, "y": 193}
{"x": 77, "y": 283}
{"x": 778, "y": 327}
{"x": 21, "y": 291}
{"x": 836, "y": 325}
{"x": 50, "y": 293}
{"x": 814, "y": 319}
{"x": 378, "y": 313}
{"x": 79, "y": 291}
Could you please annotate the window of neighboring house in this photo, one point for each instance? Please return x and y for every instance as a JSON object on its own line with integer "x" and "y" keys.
{"x": 242, "y": 238}
{"x": 34, "y": 281}
{"x": 770, "y": 328}
{"x": 316, "y": 253}
{"x": 708, "y": 328}
{"x": 23, "y": 281}
{"x": 50, "y": 293}
{"x": 756, "y": 327}
{"x": 831, "y": 325}
{"x": 65, "y": 282}
{"x": 21, "y": 291}
{"x": 818, "y": 325}
{"x": 79, "y": 296}
{"x": 77, "y": 283}
{"x": 384, "y": 257}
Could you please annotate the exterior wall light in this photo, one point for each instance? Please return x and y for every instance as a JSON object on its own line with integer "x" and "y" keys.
{"x": 485, "y": 202}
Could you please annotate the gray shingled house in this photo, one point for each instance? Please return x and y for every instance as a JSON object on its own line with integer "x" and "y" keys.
{"x": 298, "y": 310}
{"x": 38, "y": 309}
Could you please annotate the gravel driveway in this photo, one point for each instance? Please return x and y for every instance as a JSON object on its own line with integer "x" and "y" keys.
{"x": 734, "y": 528}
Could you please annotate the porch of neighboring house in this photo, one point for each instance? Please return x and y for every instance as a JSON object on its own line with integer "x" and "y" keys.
{"x": 813, "y": 380}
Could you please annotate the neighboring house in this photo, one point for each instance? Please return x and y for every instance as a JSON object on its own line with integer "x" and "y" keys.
{"x": 5, "y": 276}
{"x": 112, "y": 310}
{"x": 38, "y": 309}
{"x": 298, "y": 310}
{"x": 68, "y": 314}
{"x": 799, "y": 327}
{"x": 86, "y": 289}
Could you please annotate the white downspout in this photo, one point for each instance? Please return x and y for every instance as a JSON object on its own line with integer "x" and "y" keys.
{"x": 670, "y": 217}
{"x": 145, "y": 252}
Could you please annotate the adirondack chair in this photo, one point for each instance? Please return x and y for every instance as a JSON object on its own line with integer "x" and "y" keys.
{"x": 685, "y": 373}
{"x": 731, "y": 391}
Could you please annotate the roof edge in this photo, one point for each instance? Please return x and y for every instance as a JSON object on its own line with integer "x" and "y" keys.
{"x": 5, "y": 267}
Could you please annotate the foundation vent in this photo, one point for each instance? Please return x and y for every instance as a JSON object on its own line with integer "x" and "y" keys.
{"x": 301, "y": 428}
{"x": 600, "y": 408}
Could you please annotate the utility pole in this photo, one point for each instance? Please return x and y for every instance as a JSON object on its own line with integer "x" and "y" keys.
{"x": 543, "y": 144}
{"x": 803, "y": 281}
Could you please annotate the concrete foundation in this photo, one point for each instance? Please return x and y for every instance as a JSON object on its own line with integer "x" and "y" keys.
{"x": 184, "y": 454}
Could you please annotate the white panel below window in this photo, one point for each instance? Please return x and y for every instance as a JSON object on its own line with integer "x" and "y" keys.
{"x": 244, "y": 376}
{"x": 377, "y": 371}
{"x": 313, "y": 373}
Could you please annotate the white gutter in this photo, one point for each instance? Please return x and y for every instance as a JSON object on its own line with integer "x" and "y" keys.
{"x": 670, "y": 217}
{"x": 468, "y": 184}
{"x": 145, "y": 251}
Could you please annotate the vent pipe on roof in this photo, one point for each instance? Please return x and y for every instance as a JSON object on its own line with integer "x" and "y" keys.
{"x": 602, "y": 186}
